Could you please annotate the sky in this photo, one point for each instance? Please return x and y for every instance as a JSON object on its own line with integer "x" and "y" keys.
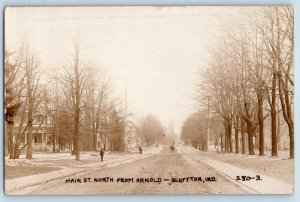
{"x": 157, "y": 51}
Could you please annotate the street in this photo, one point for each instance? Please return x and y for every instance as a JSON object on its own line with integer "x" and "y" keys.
{"x": 142, "y": 177}
{"x": 122, "y": 100}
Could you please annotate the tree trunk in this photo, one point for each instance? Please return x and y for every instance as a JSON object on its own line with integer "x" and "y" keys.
{"x": 95, "y": 139}
{"x": 226, "y": 141}
{"x": 274, "y": 116}
{"x": 291, "y": 132}
{"x": 10, "y": 132}
{"x": 111, "y": 143}
{"x": 221, "y": 137}
{"x": 76, "y": 138}
{"x": 236, "y": 135}
{"x": 230, "y": 135}
{"x": 30, "y": 121}
{"x": 6, "y": 140}
{"x": 16, "y": 148}
{"x": 225, "y": 135}
{"x": 70, "y": 146}
{"x": 243, "y": 136}
{"x": 278, "y": 133}
{"x": 53, "y": 147}
{"x": 77, "y": 105}
{"x": 287, "y": 112}
{"x": 261, "y": 123}
{"x": 250, "y": 131}
{"x": 274, "y": 151}
{"x": 29, "y": 139}
{"x": 74, "y": 142}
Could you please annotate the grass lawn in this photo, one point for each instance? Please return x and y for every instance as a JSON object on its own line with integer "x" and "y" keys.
{"x": 21, "y": 171}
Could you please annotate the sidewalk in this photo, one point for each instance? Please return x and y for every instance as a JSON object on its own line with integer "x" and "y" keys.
{"x": 267, "y": 185}
{"x": 15, "y": 184}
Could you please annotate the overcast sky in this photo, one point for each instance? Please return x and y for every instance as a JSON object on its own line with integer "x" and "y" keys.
{"x": 157, "y": 50}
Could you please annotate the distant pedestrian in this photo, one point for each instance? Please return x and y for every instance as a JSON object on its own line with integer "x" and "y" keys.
{"x": 172, "y": 148}
{"x": 101, "y": 154}
{"x": 140, "y": 149}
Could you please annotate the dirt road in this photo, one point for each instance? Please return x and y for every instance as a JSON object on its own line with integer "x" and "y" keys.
{"x": 164, "y": 173}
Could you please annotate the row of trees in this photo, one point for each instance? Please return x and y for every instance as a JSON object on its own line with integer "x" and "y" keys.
{"x": 76, "y": 101}
{"x": 150, "y": 130}
{"x": 194, "y": 130}
{"x": 199, "y": 130}
{"x": 250, "y": 78}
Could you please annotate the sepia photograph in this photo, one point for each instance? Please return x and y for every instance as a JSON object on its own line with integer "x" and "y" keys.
{"x": 149, "y": 100}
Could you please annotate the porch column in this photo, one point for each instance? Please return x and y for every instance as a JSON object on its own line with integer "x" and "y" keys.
{"x": 43, "y": 139}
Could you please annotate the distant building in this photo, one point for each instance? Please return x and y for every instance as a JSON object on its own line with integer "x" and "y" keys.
{"x": 131, "y": 139}
{"x": 41, "y": 131}
{"x": 124, "y": 140}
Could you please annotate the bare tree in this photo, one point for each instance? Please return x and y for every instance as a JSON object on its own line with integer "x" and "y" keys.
{"x": 194, "y": 130}
{"x": 12, "y": 104}
{"x": 74, "y": 84}
{"x": 24, "y": 76}
{"x": 277, "y": 31}
{"x": 102, "y": 95}
{"x": 150, "y": 130}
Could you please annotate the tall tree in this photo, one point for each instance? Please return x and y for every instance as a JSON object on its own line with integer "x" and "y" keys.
{"x": 277, "y": 31}
{"x": 74, "y": 83}
{"x": 12, "y": 104}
